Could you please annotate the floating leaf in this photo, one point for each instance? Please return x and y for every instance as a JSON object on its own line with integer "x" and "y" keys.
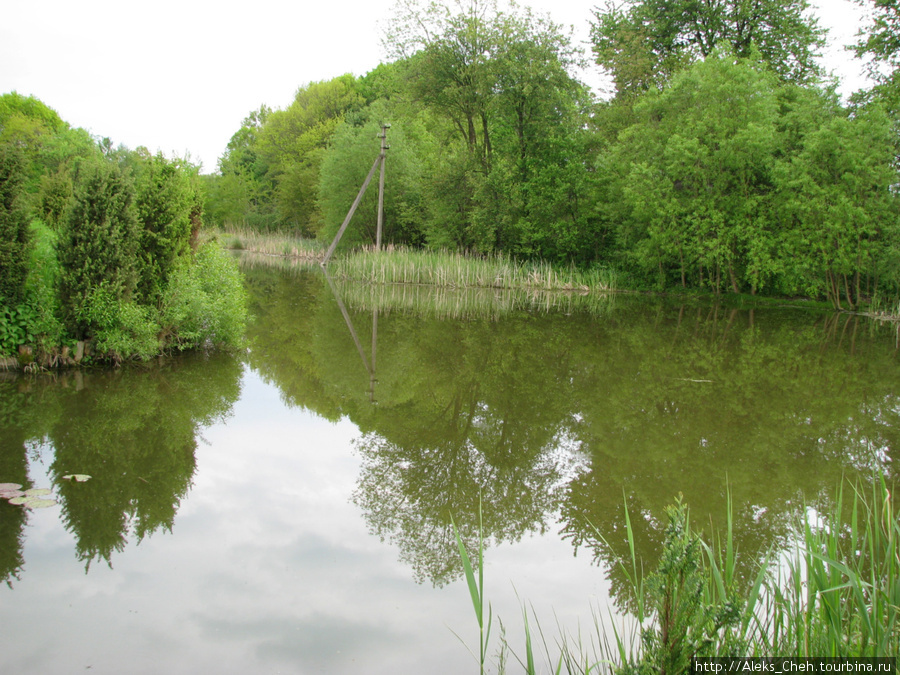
{"x": 77, "y": 477}
{"x": 32, "y": 502}
{"x": 9, "y": 486}
{"x": 37, "y": 492}
{"x": 39, "y": 503}
{"x": 10, "y": 494}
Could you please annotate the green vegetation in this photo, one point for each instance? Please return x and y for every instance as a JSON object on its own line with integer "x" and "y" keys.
{"x": 723, "y": 160}
{"x": 455, "y": 270}
{"x": 101, "y": 246}
{"x": 833, "y": 592}
{"x": 271, "y": 244}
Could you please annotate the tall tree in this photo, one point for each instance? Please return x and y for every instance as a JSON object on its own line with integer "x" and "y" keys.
{"x": 643, "y": 43}
{"x": 838, "y": 210}
{"x": 242, "y": 192}
{"x": 880, "y": 43}
{"x": 293, "y": 142}
{"x": 509, "y": 174}
{"x": 99, "y": 243}
{"x": 164, "y": 198}
{"x": 13, "y": 227}
{"x": 694, "y": 174}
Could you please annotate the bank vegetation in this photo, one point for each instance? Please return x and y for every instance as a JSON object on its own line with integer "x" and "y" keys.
{"x": 720, "y": 159}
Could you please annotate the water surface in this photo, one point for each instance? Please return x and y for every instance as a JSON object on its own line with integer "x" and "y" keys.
{"x": 288, "y": 509}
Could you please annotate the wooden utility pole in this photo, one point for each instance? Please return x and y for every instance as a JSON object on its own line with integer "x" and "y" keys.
{"x": 383, "y": 156}
{"x": 362, "y": 191}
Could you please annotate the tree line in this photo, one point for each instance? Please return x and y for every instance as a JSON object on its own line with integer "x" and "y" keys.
{"x": 100, "y": 245}
{"x": 722, "y": 157}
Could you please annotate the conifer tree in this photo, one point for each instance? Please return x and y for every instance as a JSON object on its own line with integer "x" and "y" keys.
{"x": 13, "y": 228}
{"x": 98, "y": 244}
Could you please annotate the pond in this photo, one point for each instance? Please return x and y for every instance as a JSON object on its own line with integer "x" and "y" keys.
{"x": 289, "y": 509}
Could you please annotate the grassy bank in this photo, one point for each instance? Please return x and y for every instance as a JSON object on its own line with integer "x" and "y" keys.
{"x": 834, "y": 592}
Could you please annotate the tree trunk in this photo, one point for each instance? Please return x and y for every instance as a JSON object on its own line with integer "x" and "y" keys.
{"x": 734, "y": 283}
{"x": 850, "y": 303}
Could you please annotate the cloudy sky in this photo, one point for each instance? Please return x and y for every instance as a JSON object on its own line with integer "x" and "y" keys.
{"x": 179, "y": 76}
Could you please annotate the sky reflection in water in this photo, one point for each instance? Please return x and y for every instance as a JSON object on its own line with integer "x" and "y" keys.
{"x": 269, "y": 568}
{"x": 294, "y": 525}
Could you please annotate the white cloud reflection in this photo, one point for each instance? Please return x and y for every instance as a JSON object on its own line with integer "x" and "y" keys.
{"x": 269, "y": 568}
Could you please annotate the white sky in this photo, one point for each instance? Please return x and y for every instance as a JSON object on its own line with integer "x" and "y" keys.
{"x": 179, "y": 76}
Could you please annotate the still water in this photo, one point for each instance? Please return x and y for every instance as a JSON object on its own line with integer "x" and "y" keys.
{"x": 288, "y": 509}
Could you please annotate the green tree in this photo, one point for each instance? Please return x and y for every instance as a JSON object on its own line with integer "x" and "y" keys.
{"x": 46, "y": 141}
{"x": 351, "y": 153}
{"x": 54, "y": 196}
{"x": 838, "y": 206}
{"x": 13, "y": 228}
{"x": 98, "y": 244}
{"x": 242, "y": 191}
{"x": 163, "y": 201}
{"x": 695, "y": 172}
{"x": 643, "y": 43}
{"x": 293, "y": 143}
{"x": 879, "y": 42}
{"x": 511, "y": 173}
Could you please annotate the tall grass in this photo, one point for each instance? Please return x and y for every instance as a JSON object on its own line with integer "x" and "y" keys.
{"x": 834, "y": 592}
{"x": 285, "y": 245}
{"x": 838, "y": 592}
{"x": 468, "y": 303}
{"x": 456, "y": 270}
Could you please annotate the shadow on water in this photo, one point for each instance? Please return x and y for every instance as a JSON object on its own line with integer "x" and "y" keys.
{"x": 562, "y": 418}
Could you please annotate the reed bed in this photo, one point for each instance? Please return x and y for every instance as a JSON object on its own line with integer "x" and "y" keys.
{"x": 834, "y": 592}
{"x": 457, "y": 270}
{"x": 467, "y": 303}
{"x": 274, "y": 244}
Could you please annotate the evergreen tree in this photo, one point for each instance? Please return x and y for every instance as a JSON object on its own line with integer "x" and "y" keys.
{"x": 98, "y": 244}
{"x": 13, "y": 228}
{"x": 164, "y": 199}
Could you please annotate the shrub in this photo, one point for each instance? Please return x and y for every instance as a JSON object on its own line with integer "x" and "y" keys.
{"x": 121, "y": 329}
{"x": 205, "y": 302}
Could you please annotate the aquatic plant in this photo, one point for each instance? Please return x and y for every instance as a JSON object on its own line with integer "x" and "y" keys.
{"x": 834, "y": 593}
{"x": 33, "y": 498}
{"x": 284, "y": 245}
{"x": 476, "y": 587}
{"x": 458, "y": 270}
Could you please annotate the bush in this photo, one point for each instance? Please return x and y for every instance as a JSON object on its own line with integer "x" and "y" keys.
{"x": 16, "y": 325}
{"x": 122, "y": 329}
{"x": 205, "y": 302}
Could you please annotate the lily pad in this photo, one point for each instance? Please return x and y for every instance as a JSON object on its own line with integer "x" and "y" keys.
{"x": 10, "y": 486}
{"x": 33, "y": 502}
{"x": 37, "y": 492}
{"x": 77, "y": 477}
{"x": 10, "y": 494}
{"x": 39, "y": 503}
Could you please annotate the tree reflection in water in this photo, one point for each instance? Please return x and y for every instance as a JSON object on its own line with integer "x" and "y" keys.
{"x": 563, "y": 417}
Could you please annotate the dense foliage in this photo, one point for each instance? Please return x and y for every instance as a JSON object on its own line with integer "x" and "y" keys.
{"x": 723, "y": 158}
{"x": 100, "y": 245}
